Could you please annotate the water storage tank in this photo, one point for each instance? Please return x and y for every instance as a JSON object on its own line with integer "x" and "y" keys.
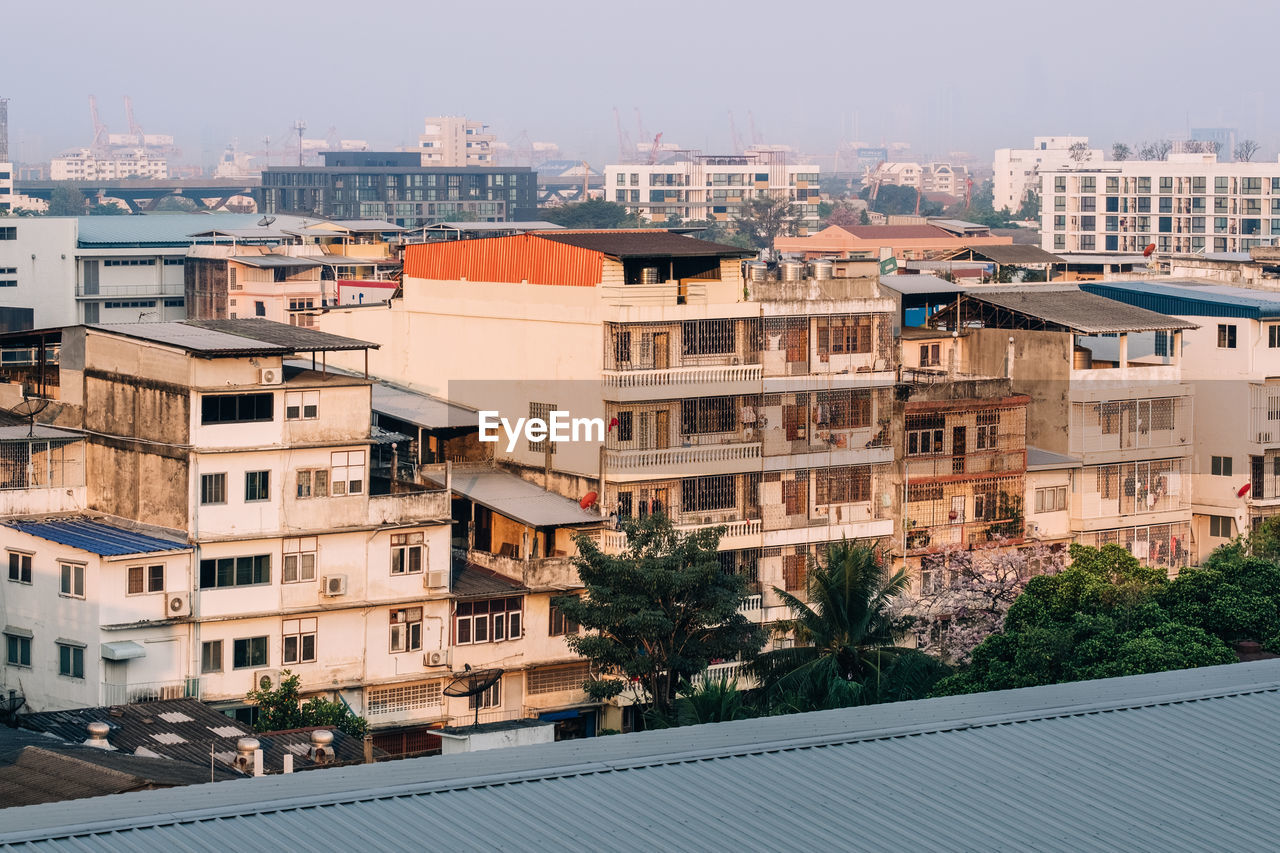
{"x": 792, "y": 270}
{"x": 1082, "y": 359}
{"x": 649, "y": 275}
{"x": 757, "y": 271}
{"x": 820, "y": 270}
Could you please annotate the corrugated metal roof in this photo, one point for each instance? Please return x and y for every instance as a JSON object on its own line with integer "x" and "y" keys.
{"x": 273, "y": 261}
{"x": 1169, "y": 761}
{"x": 1047, "y": 460}
{"x": 232, "y": 338}
{"x": 155, "y": 229}
{"x": 517, "y": 258}
{"x": 514, "y": 225}
{"x": 1190, "y": 298}
{"x": 419, "y": 409}
{"x": 471, "y": 581}
{"x": 517, "y": 499}
{"x": 295, "y": 338}
{"x": 27, "y": 432}
{"x": 896, "y": 232}
{"x": 1013, "y": 253}
{"x": 920, "y": 284}
{"x": 95, "y": 536}
{"x": 1075, "y": 309}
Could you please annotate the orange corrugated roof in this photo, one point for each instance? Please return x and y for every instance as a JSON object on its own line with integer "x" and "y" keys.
{"x": 518, "y": 258}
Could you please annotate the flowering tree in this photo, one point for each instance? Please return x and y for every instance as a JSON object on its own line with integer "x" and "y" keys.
{"x": 963, "y": 595}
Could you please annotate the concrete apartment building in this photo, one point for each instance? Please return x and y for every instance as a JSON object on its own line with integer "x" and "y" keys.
{"x": 1233, "y": 360}
{"x": 278, "y": 536}
{"x": 1096, "y": 399}
{"x": 929, "y": 179}
{"x": 399, "y": 187}
{"x": 83, "y": 164}
{"x": 921, "y": 240}
{"x": 700, "y": 186}
{"x": 1189, "y": 203}
{"x": 772, "y": 415}
{"x": 6, "y": 188}
{"x": 455, "y": 141}
{"x": 1016, "y": 171}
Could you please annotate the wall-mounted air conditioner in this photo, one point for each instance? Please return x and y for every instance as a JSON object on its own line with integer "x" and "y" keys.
{"x": 440, "y": 657}
{"x": 331, "y": 585}
{"x": 270, "y": 376}
{"x": 177, "y": 604}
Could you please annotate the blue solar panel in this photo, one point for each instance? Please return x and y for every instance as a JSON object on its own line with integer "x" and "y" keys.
{"x": 96, "y": 537}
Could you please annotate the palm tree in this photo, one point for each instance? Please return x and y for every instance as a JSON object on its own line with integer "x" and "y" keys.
{"x": 844, "y": 645}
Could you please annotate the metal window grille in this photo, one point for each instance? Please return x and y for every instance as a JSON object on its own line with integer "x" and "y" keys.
{"x": 406, "y": 697}
{"x": 557, "y": 679}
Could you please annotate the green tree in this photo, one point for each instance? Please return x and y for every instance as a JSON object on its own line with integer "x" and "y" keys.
{"x": 1030, "y": 208}
{"x": 595, "y": 213}
{"x": 713, "y": 700}
{"x": 282, "y": 708}
{"x": 763, "y": 219}
{"x": 659, "y": 613}
{"x": 844, "y": 652}
{"x": 66, "y": 200}
{"x": 1121, "y": 152}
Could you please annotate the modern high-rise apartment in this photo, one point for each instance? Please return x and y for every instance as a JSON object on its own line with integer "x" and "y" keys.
{"x": 1189, "y": 203}
{"x": 700, "y": 187}
{"x": 83, "y": 164}
{"x": 1016, "y": 171}
{"x": 455, "y": 141}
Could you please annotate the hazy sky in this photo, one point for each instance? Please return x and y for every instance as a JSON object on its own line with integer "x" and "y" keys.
{"x": 942, "y": 76}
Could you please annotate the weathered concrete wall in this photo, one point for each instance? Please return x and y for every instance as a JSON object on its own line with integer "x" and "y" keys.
{"x": 1040, "y": 368}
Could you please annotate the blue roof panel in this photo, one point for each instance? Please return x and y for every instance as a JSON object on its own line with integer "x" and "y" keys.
{"x": 1181, "y": 298}
{"x": 96, "y": 537}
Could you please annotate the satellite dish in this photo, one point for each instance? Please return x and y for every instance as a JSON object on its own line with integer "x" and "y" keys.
{"x": 472, "y": 682}
{"x": 588, "y": 500}
{"x": 29, "y": 408}
{"x": 266, "y": 220}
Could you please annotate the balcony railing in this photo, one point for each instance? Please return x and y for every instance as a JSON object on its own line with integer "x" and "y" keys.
{"x": 975, "y": 462}
{"x": 732, "y": 671}
{"x": 678, "y": 376}
{"x": 109, "y": 291}
{"x": 407, "y": 507}
{"x": 749, "y": 527}
{"x": 632, "y": 460}
{"x": 963, "y": 535}
{"x": 150, "y": 691}
{"x": 535, "y": 572}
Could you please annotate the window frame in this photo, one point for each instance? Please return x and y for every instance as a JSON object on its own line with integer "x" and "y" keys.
{"x": 257, "y": 486}
{"x": 22, "y": 566}
{"x": 14, "y": 646}
{"x": 298, "y": 549}
{"x": 206, "y": 648}
{"x": 405, "y": 634}
{"x": 71, "y": 579}
{"x": 70, "y": 660}
{"x": 254, "y": 645}
{"x": 403, "y": 546}
{"x": 249, "y": 408}
{"x": 305, "y": 400}
{"x": 496, "y": 625}
{"x": 146, "y": 580}
{"x": 296, "y": 632}
{"x": 1220, "y": 466}
{"x": 259, "y": 567}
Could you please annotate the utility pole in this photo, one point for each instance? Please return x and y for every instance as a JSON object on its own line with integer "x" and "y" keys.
{"x": 300, "y": 126}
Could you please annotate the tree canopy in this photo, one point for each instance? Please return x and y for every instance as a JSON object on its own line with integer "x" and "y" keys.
{"x": 659, "y": 613}
{"x": 763, "y": 219}
{"x": 282, "y": 708}
{"x": 595, "y": 213}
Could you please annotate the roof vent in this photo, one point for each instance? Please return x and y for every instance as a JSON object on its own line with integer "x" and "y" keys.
{"x": 245, "y": 748}
{"x": 321, "y": 746}
{"x": 98, "y": 736}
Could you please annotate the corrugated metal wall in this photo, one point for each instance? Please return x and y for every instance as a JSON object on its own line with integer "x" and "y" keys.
{"x": 522, "y": 257}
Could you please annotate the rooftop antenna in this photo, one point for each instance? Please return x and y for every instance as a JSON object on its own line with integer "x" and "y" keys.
{"x": 300, "y": 126}
{"x": 472, "y": 682}
{"x": 29, "y": 408}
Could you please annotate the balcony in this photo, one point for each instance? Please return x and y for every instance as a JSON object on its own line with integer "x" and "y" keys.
{"x": 731, "y": 671}
{"x": 737, "y": 534}
{"x": 973, "y": 534}
{"x": 683, "y": 461}
{"x": 697, "y": 381}
{"x": 977, "y": 462}
{"x": 537, "y": 573}
{"x": 150, "y": 691}
{"x": 408, "y": 507}
{"x": 116, "y": 291}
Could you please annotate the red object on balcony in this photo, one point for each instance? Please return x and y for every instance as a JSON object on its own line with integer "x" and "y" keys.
{"x": 1151, "y": 247}
{"x": 1244, "y": 490}
{"x": 588, "y": 499}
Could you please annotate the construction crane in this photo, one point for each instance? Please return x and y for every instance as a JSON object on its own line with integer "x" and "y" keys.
{"x": 876, "y": 177}
{"x": 133, "y": 124}
{"x": 586, "y": 176}
{"x": 99, "y": 129}
{"x": 640, "y": 126}
{"x": 733, "y": 133}
{"x": 626, "y": 150}
{"x": 653, "y": 152}
{"x": 755, "y": 137}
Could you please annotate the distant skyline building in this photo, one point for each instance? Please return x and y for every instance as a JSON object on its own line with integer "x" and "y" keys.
{"x": 455, "y": 141}
{"x": 83, "y": 164}
{"x": 1016, "y": 171}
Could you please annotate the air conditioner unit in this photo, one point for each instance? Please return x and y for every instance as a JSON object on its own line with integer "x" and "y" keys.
{"x": 331, "y": 585}
{"x": 266, "y": 679}
{"x": 177, "y": 604}
{"x": 270, "y": 376}
{"x": 435, "y": 580}
{"x": 440, "y": 657}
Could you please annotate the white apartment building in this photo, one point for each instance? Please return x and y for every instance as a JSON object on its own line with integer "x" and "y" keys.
{"x": 6, "y": 188}
{"x": 942, "y": 178}
{"x": 1188, "y": 204}
{"x": 455, "y": 141}
{"x": 713, "y": 187}
{"x": 771, "y": 415}
{"x": 1017, "y": 170}
{"x": 1232, "y": 360}
{"x": 84, "y": 165}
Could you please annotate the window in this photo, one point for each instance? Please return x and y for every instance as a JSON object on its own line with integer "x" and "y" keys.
{"x": 988, "y": 432}
{"x": 299, "y": 564}
{"x": 794, "y": 569}
{"x": 489, "y": 621}
{"x": 18, "y": 647}
{"x": 9, "y": 233}
{"x": 622, "y": 347}
{"x": 213, "y": 489}
{"x": 406, "y": 629}
{"x": 930, "y": 355}
{"x": 1226, "y": 336}
{"x": 561, "y": 624}
{"x": 257, "y": 486}
{"x": 235, "y": 571}
{"x": 249, "y": 652}
{"x": 72, "y": 580}
{"x": 71, "y": 660}
{"x": 924, "y": 434}
{"x": 19, "y": 567}
{"x": 259, "y": 309}
{"x": 301, "y": 405}
{"x": 407, "y": 553}
{"x": 1220, "y": 526}
{"x": 211, "y": 656}
{"x": 313, "y": 483}
{"x": 236, "y": 408}
{"x": 704, "y": 494}
{"x": 843, "y": 335}
{"x": 707, "y": 337}
{"x": 1220, "y": 466}
{"x": 299, "y": 641}
{"x": 490, "y": 698}
{"x": 842, "y": 485}
{"x": 1273, "y": 336}
{"x": 144, "y": 579}
{"x": 626, "y": 423}
{"x": 707, "y": 415}
{"x": 1053, "y": 499}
